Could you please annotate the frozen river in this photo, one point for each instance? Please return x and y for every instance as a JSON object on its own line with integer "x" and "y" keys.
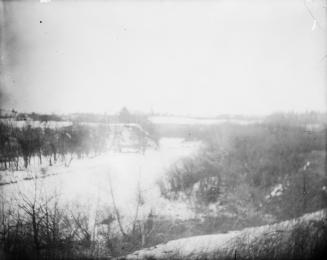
{"x": 85, "y": 184}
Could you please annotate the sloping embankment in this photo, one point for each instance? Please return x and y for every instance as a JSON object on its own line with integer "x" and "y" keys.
{"x": 301, "y": 238}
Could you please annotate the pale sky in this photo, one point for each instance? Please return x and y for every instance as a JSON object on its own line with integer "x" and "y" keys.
{"x": 185, "y": 57}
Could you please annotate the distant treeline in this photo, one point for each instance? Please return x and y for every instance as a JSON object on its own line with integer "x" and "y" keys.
{"x": 53, "y": 144}
{"x": 308, "y": 121}
{"x": 123, "y": 116}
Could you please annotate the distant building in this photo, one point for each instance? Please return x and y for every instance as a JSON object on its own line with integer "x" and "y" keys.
{"x": 125, "y": 116}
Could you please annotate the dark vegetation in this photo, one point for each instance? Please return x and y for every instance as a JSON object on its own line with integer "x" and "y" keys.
{"x": 48, "y": 144}
{"x": 38, "y": 228}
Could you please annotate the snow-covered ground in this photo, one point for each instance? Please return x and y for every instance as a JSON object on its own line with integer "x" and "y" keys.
{"x": 34, "y": 123}
{"x": 182, "y": 120}
{"x": 277, "y": 241}
{"x": 86, "y": 182}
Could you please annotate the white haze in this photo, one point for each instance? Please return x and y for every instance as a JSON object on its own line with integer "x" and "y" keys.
{"x": 184, "y": 57}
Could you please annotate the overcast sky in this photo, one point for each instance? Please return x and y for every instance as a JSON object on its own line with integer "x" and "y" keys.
{"x": 184, "y": 57}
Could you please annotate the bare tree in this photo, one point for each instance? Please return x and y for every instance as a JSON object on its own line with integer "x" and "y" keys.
{"x": 118, "y": 217}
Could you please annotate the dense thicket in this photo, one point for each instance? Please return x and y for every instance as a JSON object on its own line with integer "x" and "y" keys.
{"x": 48, "y": 143}
{"x": 272, "y": 167}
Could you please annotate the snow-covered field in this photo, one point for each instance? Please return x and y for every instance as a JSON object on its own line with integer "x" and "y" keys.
{"x": 86, "y": 182}
{"x": 182, "y": 120}
{"x": 33, "y": 123}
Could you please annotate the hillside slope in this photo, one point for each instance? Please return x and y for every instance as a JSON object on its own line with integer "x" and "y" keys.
{"x": 301, "y": 238}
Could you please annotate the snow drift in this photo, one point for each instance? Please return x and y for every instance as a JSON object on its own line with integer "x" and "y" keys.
{"x": 301, "y": 238}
